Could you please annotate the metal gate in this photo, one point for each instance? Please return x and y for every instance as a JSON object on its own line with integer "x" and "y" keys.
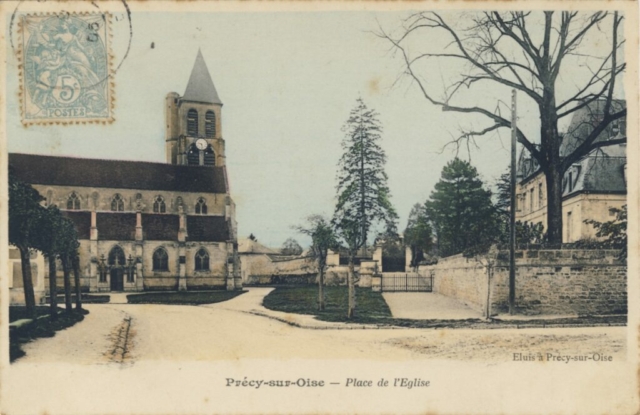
{"x": 406, "y": 282}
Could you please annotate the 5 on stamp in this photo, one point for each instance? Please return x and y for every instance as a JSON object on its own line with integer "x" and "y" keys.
{"x": 66, "y": 68}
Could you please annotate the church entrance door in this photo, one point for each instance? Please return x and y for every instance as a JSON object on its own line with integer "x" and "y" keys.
{"x": 117, "y": 280}
{"x": 116, "y": 266}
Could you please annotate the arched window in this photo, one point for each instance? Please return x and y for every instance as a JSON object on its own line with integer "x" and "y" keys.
{"x": 202, "y": 260}
{"x": 209, "y": 157}
{"x": 201, "y": 207}
{"x": 117, "y": 203}
{"x": 73, "y": 203}
{"x": 158, "y": 205}
{"x": 192, "y": 123}
{"x": 116, "y": 257}
{"x": 160, "y": 260}
{"x": 210, "y": 124}
{"x": 193, "y": 156}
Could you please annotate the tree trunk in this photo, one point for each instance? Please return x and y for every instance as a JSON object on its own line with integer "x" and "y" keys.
{"x": 67, "y": 283}
{"x": 75, "y": 261}
{"x": 27, "y": 282}
{"x": 352, "y": 288}
{"x": 550, "y": 147}
{"x": 53, "y": 289}
{"x": 321, "y": 289}
{"x": 554, "y": 207}
{"x": 488, "y": 305}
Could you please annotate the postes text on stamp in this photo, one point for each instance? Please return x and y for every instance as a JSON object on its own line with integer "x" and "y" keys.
{"x": 66, "y": 74}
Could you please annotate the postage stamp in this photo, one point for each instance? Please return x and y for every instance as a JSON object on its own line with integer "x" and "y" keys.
{"x": 66, "y": 68}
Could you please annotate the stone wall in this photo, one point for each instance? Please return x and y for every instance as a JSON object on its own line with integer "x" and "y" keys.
{"x": 560, "y": 282}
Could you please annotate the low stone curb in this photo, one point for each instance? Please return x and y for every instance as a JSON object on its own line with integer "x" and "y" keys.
{"x": 348, "y": 326}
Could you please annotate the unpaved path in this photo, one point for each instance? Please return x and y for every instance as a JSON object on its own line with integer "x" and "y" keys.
{"x": 126, "y": 333}
{"x": 427, "y": 306}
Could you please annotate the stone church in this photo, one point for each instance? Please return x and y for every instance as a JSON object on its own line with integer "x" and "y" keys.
{"x": 149, "y": 226}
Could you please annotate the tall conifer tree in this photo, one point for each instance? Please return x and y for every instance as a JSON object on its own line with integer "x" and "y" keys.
{"x": 461, "y": 210}
{"x": 363, "y": 194}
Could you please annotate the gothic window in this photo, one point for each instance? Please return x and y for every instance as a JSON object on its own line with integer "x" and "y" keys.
{"x": 116, "y": 257}
{"x": 209, "y": 157}
{"x": 201, "y": 207}
{"x": 160, "y": 260}
{"x": 210, "y": 124}
{"x": 193, "y": 156}
{"x": 202, "y": 260}
{"x": 73, "y": 203}
{"x": 158, "y": 205}
{"x": 117, "y": 203}
{"x": 192, "y": 123}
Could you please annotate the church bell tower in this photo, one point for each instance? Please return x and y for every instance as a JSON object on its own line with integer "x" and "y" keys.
{"x": 194, "y": 127}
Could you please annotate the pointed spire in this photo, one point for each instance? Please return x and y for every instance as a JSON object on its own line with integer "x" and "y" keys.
{"x": 200, "y": 87}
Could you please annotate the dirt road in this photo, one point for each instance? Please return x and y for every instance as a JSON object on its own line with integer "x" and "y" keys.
{"x": 122, "y": 333}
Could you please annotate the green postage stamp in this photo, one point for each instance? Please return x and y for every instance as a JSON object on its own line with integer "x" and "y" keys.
{"x": 66, "y": 68}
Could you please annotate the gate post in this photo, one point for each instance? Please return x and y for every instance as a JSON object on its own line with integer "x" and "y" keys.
{"x": 376, "y": 282}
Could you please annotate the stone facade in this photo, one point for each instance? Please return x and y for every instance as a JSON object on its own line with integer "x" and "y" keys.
{"x": 557, "y": 282}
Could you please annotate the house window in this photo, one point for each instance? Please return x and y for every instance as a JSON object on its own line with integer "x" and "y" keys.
{"x": 117, "y": 203}
{"x": 210, "y": 124}
{"x": 160, "y": 260}
{"x": 524, "y": 201}
{"x": 568, "y": 226}
{"x": 73, "y": 203}
{"x": 158, "y": 205}
{"x": 531, "y": 200}
{"x": 202, "y": 260}
{"x": 201, "y": 207}
{"x": 192, "y": 123}
{"x": 540, "y": 195}
{"x": 570, "y": 181}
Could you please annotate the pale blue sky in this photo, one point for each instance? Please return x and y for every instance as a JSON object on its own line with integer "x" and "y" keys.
{"x": 288, "y": 82}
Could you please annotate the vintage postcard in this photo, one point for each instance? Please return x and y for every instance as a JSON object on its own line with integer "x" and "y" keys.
{"x": 319, "y": 207}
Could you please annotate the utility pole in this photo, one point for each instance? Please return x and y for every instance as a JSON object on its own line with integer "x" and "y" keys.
{"x": 512, "y": 210}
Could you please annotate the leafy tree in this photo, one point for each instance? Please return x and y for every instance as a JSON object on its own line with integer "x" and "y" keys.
{"x": 461, "y": 210}
{"x": 533, "y": 52}
{"x": 24, "y": 213}
{"x": 323, "y": 239}
{"x": 363, "y": 194}
{"x": 291, "y": 247}
{"x": 613, "y": 232}
{"x": 418, "y": 235}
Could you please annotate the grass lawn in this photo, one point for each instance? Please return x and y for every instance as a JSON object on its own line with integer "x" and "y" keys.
{"x": 42, "y": 327}
{"x": 19, "y": 312}
{"x": 86, "y": 298}
{"x": 183, "y": 297}
{"x": 370, "y": 306}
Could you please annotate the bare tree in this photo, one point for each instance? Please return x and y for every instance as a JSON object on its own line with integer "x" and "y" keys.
{"x": 526, "y": 51}
{"x": 323, "y": 239}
